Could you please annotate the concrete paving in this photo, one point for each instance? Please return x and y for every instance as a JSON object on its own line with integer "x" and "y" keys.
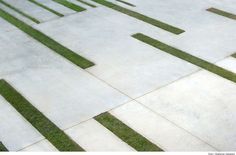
{"x": 42, "y": 146}
{"x": 203, "y": 104}
{"x": 228, "y": 63}
{"x": 15, "y": 132}
{"x": 92, "y": 136}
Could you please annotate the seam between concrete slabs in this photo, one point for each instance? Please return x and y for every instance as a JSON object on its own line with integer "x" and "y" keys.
{"x": 127, "y": 3}
{"x": 141, "y": 17}
{"x": 87, "y": 3}
{"x": 222, "y": 13}
{"x": 70, "y": 5}
{"x": 3, "y": 148}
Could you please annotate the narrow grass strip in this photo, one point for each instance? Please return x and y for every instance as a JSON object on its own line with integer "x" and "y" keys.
{"x": 47, "y": 41}
{"x": 124, "y": 2}
{"x": 47, "y": 128}
{"x": 86, "y": 3}
{"x": 2, "y": 148}
{"x": 70, "y": 5}
{"x": 125, "y": 133}
{"x": 187, "y": 57}
{"x": 222, "y": 13}
{"x": 141, "y": 17}
{"x": 20, "y": 12}
{"x": 234, "y": 55}
{"x": 46, "y": 8}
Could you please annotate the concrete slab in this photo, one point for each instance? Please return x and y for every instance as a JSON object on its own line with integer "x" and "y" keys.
{"x": 125, "y": 63}
{"x": 42, "y": 146}
{"x": 92, "y": 136}
{"x": 33, "y": 10}
{"x": 57, "y": 7}
{"x": 160, "y": 131}
{"x": 228, "y": 63}
{"x": 62, "y": 91}
{"x": 203, "y": 104}
{"x": 15, "y": 132}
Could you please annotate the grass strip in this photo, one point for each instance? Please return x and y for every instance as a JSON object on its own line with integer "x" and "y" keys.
{"x": 47, "y": 128}
{"x": 234, "y": 55}
{"x": 20, "y": 12}
{"x": 46, "y": 8}
{"x": 2, "y": 148}
{"x": 222, "y": 13}
{"x": 47, "y": 41}
{"x": 141, "y": 17}
{"x": 187, "y": 57}
{"x": 70, "y": 5}
{"x": 125, "y": 133}
{"x": 124, "y": 2}
{"x": 86, "y": 3}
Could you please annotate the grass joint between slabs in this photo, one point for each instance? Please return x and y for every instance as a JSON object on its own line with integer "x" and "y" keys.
{"x": 2, "y": 148}
{"x": 70, "y": 5}
{"x": 234, "y": 55}
{"x": 141, "y": 17}
{"x": 127, "y": 3}
{"x": 20, "y": 12}
{"x": 125, "y": 133}
{"x": 47, "y": 128}
{"x": 46, "y": 8}
{"x": 86, "y": 3}
{"x": 187, "y": 57}
{"x": 47, "y": 41}
{"x": 222, "y": 13}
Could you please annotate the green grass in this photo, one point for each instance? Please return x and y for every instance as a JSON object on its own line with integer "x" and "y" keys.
{"x": 234, "y": 55}
{"x": 70, "y": 5}
{"x": 125, "y": 133}
{"x": 47, "y": 41}
{"x": 91, "y": 5}
{"x": 20, "y": 12}
{"x": 127, "y": 3}
{"x": 2, "y": 148}
{"x": 187, "y": 57}
{"x": 48, "y": 129}
{"x": 141, "y": 17}
{"x": 222, "y": 13}
{"x": 46, "y": 8}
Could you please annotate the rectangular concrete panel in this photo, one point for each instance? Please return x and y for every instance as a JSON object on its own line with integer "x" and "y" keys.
{"x": 157, "y": 129}
{"x": 42, "y": 146}
{"x": 203, "y": 104}
{"x": 92, "y": 136}
{"x": 15, "y": 132}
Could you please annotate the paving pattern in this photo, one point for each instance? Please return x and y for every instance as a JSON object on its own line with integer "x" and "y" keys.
{"x": 170, "y": 103}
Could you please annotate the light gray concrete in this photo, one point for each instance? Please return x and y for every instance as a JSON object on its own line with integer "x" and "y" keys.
{"x": 157, "y": 129}
{"x": 228, "y": 63}
{"x": 203, "y": 104}
{"x": 15, "y": 132}
{"x": 57, "y": 7}
{"x": 42, "y": 146}
{"x": 62, "y": 91}
{"x": 92, "y": 136}
{"x": 125, "y": 63}
{"x": 33, "y": 10}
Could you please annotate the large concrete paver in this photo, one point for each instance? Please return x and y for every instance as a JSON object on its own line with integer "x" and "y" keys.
{"x": 15, "y": 132}
{"x": 42, "y": 146}
{"x": 92, "y": 136}
{"x": 157, "y": 129}
{"x": 203, "y": 104}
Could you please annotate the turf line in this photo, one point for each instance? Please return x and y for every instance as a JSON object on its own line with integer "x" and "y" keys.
{"x": 222, "y": 13}
{"x": 125, "y": 133}
{"x": 20, "y": 12}
{"x": 47, "y": 41}
{"x": 141, "y": 17}
{"x": 46, "y": 8}
{"x": 127, "y": 3}
{"x": 70, "y": 5}
{"x": 86, "y": 3}
{"x": 47, "y": 128}
{"x": 187, "y": 57}
{"x": 234, "y": 55}
{"x": 3, "y": 148}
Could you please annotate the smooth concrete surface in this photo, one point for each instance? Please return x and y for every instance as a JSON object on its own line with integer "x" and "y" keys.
{"x": 203, "y": 104}
{"x": 15, "y": 132}
{"x": 228, "y": 63}
{"x": 158, "y": 130}
{"x": 42, "y": 146}
{"x": 123, "y": 62}
{"x": 92, "y": 136}
{"x": 62, "y": 91}
{"x": 33, "y": 10}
